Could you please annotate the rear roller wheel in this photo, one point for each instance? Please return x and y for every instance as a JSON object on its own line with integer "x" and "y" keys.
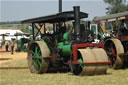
{"x": 36, "y": 61}
{"x": 114, "y": 48}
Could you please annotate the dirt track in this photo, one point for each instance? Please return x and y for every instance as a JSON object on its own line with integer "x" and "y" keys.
{"x": 7, "y": 57}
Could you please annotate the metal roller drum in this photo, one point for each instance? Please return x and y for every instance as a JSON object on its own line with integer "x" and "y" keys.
{"x": 93, "y": 55}
{"x": 100, "y": 56}
{"x": 87, "y": 56}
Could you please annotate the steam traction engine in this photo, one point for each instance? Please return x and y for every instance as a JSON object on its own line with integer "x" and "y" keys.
{"x": 63, "y": 49}
{"x": 117, "y": 47}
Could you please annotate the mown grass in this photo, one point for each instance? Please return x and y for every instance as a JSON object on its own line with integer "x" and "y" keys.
{"x": 16, "y": 63}
{"x": 24, "y": 77}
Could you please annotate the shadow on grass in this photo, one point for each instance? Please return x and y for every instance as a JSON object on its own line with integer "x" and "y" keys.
{"x": 13, "y": 68}
{"x": 5, "y": 51}
{"x": 5, "y": 59}
{"x": 91, "y": 75}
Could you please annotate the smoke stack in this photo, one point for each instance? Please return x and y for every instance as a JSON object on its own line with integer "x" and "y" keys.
{"x": 60, "y": 6}
{"x": 77, "y": 22}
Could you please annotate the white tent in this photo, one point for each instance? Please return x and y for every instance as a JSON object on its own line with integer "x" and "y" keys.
{"x": 10, "y": 33}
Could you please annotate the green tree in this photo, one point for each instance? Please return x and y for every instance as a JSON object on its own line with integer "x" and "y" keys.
{"x": 116, "y": 6}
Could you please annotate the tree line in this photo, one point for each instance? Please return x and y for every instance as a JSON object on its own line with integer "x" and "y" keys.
{"x": 10, "y": 22}
{"x": 116, "y": 6}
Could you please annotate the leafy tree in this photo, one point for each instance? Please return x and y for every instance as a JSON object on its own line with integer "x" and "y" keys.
{"x": 116, "y": 6}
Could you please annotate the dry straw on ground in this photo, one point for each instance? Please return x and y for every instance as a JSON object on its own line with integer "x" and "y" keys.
{"x": 24, "y": 77}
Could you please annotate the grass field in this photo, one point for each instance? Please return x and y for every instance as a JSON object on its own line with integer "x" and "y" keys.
{"x": 24, "y": 77}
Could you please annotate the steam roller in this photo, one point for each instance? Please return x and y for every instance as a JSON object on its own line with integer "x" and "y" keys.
{"x": 65, "y": 49}
{"x": 90, "y": 61}
{"x": 117, "y": 46}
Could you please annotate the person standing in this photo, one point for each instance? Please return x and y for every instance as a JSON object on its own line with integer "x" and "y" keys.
{"x": 0, "y": 45}
{"x": 12, "y": 45}
{"x": 6, "y": 45}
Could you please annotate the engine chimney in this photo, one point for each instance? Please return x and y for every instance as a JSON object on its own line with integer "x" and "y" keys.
{"x": 60, "y": 6}
{"x": 77, "y": 22}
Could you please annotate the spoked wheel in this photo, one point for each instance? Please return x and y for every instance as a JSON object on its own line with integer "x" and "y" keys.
{"x": 90, "y": 56}
{"x": 114, "y": 48}
{"x": 36, "y": 58}
{"x": 36, "y": 61}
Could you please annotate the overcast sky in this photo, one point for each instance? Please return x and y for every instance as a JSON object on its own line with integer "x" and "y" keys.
{"x": 16, "y": 10}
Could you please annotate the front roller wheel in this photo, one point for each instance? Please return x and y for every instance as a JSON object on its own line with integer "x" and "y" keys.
{"x": 114, "y": 48}
{"x": 76, "y": 69}
{"x": 89, "y": 55}
{"x": 36, "y": 61}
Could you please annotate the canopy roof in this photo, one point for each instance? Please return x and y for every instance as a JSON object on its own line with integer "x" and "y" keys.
{"x": 59, "y": 17}
{"x": 118, "y": 15}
